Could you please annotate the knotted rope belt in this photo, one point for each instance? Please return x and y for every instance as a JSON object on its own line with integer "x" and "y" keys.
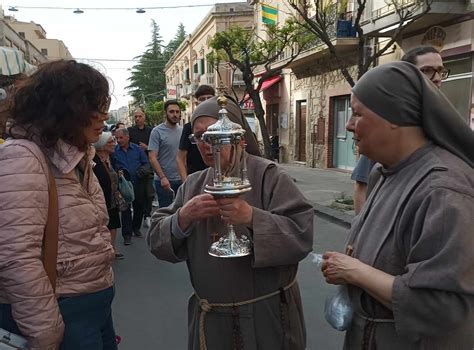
{"x": 207, "y": 307}
{"x": 368, "y": 338}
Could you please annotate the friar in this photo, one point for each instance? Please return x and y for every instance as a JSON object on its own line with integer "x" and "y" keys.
{"x": 250, "y": 302}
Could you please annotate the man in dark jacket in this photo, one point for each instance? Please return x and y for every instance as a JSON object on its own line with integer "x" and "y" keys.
{"x": 140, "y": 135}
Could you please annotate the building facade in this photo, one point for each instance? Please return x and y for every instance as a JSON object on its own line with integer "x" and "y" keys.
{"x": 53, "y": 49}
{"x": 189, "y": 68}
{"x": 309, "y": 106}
{"x": 10, "y": 38}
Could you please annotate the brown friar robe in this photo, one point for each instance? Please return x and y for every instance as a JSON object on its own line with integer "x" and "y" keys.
{"x": 282, "y": 235}
{"x": 418, "y": 225}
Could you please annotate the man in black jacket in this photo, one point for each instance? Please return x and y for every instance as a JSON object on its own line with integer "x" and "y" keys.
{"x": 140, "y": 135}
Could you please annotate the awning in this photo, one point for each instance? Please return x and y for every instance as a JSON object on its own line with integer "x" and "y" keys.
{"x": 267, "y": 84}
{"x": 12, "y": 62}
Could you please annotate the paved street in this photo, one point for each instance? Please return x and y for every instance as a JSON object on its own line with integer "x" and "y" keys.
{"x": 151, "y": 296}
{"x": 321, "y": 186}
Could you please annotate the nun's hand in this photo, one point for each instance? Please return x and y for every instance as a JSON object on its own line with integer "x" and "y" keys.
{"x": 235, "y": 211}
{"x": 340, "y": 268}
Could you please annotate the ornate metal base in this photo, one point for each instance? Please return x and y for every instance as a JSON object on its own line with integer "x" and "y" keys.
{"x": 226, "y": 247}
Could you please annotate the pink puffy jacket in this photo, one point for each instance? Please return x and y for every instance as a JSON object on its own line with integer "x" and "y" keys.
{"x": 85, "y": 253}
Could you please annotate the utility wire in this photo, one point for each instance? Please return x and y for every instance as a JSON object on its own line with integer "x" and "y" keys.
{"x": 111, "y": 8}
{"x": 114, "y": 59}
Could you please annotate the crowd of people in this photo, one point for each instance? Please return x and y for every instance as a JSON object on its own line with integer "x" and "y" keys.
{"x": 66, "y": 186}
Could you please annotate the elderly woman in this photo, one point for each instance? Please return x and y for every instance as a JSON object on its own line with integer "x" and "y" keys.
{"x": 53, "y": 117}
{"x": 108, "y": 180}
{"x": 258, "y": 296}
{"x": 411, "y": 273}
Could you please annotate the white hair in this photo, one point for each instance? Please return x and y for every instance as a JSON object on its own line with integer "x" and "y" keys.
{"x": 103, "y": 139}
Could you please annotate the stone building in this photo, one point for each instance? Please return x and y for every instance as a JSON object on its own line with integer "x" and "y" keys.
{"x": 310, "y": 103}
{"x": 188, "y": 67}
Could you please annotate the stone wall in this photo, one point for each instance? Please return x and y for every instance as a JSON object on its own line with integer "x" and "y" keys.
{"x": 316, "y": 85}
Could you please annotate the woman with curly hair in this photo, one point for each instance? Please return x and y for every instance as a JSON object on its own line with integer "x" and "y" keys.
{"x": 52, "y": 118}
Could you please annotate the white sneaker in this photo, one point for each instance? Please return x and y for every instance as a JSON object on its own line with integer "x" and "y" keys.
{"x": 147, "y": 222}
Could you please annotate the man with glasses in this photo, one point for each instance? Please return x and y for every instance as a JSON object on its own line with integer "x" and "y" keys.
{"x": 189, "y": 159}
{"x": 429, "y": 62}
{"x": 164, "y": 142}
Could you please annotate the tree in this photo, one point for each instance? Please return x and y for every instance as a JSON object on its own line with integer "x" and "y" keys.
{"x": 320, "y": 16}
{"x": 242, "y": 49}
{"x": 173, "y": 45}
{"x": 147, "y": 76}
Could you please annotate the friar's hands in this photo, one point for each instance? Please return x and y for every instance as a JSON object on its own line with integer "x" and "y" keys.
{"x": 341, "y": 268}
{"x": 235, "y": 211}
{"x": 197, "y": 208}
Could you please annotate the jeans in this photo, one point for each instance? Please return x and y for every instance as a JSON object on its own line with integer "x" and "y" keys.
{"x": 165, "y": 198}
{"x": 127, "y": 222}
{"x": 87, "y": 319}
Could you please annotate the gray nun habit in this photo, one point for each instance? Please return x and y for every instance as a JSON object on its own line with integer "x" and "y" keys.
{"x": 417, "y": 223}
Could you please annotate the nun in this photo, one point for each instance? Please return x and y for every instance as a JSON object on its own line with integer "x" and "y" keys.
{"x": 409, "y": 262}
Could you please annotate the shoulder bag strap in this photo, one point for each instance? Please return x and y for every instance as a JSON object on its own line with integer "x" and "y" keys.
{"x": 50, "y": 238}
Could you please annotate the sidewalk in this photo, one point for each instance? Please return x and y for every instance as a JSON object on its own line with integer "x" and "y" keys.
{"x": 322, "y": 187}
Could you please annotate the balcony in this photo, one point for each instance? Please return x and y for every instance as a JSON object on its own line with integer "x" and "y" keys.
{"x": 384, "y": 20}
{"x": 343, "y": 36}
{"x": 185, "y": 90}
{"x": 207, "y": 79}
{"x": 238, "y": 78}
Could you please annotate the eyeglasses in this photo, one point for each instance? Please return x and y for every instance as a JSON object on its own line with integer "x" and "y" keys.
{"x": 196, "y": 139}
{"x": 430, "y": 72}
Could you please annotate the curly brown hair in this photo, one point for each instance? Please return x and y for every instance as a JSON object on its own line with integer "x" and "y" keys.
{"x": 57, "y": 102}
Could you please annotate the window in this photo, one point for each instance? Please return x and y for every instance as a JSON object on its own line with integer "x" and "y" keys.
{"x": 459, "y": 84}
{"x": 186, "y": 74}
{"x": 44, "y": 52}
{"x": 210, "y": 68}
{"x": 202, "y": 66}
{"x": 342, "y": 113}
{"x": 195, "y": 68}
{"x": 21, "y": 34}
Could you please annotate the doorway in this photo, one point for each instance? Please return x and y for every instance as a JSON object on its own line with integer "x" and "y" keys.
{"x": 272, "y": 114}
{"x": 301, "y": 111}
{"x": 343, "y": 145}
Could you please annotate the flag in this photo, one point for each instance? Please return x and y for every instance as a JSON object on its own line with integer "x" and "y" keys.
{"x": 269, "y": 14}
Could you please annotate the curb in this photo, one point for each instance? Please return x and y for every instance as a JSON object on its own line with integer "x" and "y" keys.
{"x": 333, "y": 215}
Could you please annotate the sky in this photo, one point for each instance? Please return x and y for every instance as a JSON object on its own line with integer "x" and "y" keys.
{"x": 97, "y": 35}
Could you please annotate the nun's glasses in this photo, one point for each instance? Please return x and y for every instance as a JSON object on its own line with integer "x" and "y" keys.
{"x": 430, "y": 72}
